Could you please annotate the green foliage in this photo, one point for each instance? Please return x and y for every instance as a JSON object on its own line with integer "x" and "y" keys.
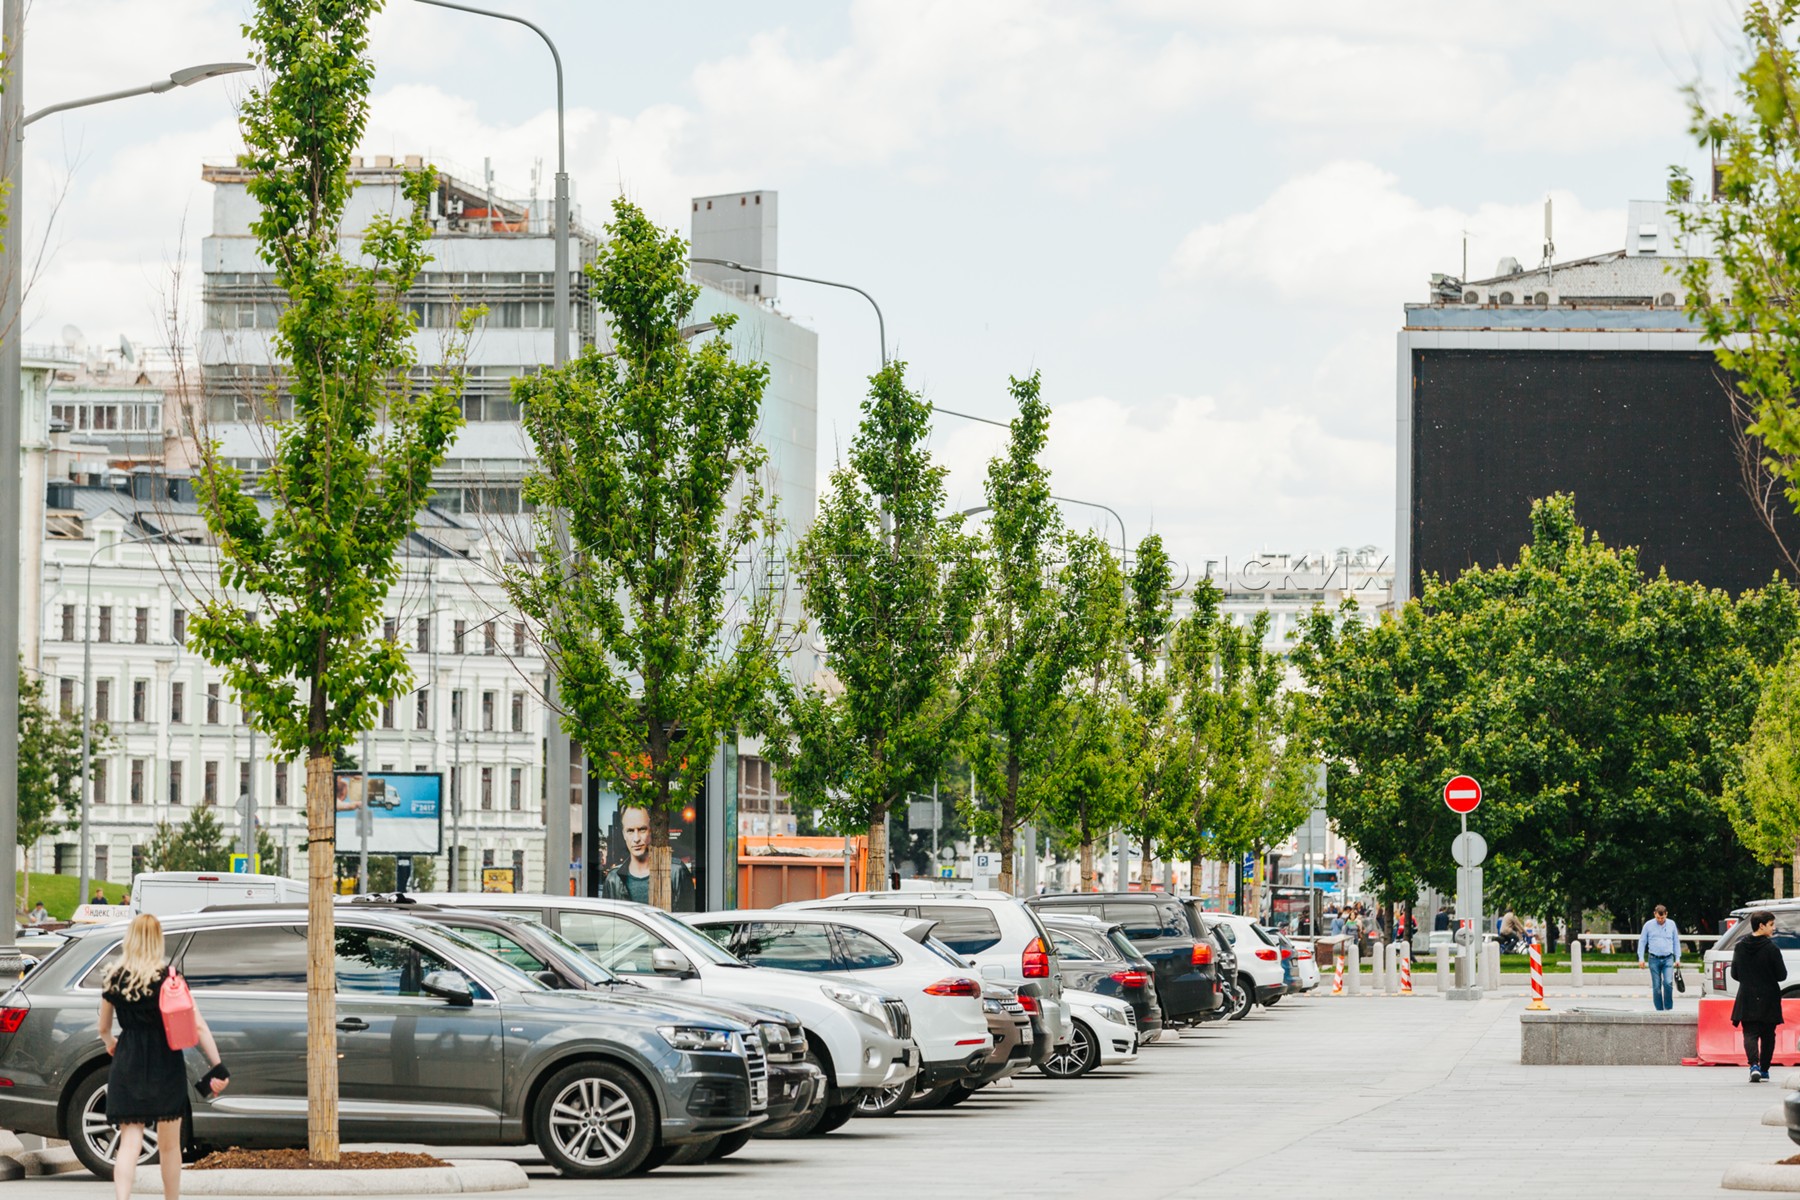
{"x": 1765, "y": 789}
{"x": 1151, "y": 737}
{"x": 1743, "y": 294}
{"x": 50, "y": 764}
{"x": 199, "y": 843}
{"x": 1599, "y": 708}
{"x": 651, "y": 452}
{"x": 892, "y": 588}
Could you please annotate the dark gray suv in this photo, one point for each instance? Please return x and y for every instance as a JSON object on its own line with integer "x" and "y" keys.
{"x": 438, "y": 1042}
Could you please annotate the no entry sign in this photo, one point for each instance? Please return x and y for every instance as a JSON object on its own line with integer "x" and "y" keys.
{"x": 1462, "y": 794}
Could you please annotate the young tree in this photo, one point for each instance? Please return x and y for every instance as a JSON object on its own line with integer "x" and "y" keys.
{"x": 649, "y": 452}
{"x": 1092, "y": 786}
{"x": 49, "y": 769}
{"x": 303, "y": 574}
{"x": 1149, "y": 622}
{"x": 892, "y": 587}
{"x": 199, "y": 843}
{"x": 1765, "y": 790}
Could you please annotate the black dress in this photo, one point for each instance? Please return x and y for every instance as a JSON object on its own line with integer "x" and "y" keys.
{"x": 149, "y": 1080}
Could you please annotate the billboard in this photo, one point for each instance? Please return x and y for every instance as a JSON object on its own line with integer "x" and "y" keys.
{"x": 402, "y": 812}
{"x": 619, "y": 849}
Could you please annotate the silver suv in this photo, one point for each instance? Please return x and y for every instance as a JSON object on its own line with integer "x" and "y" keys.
{"x": 438, "y": 1042}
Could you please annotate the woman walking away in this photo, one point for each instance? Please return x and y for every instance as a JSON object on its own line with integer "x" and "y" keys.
{"x": 148, "y": 1085}
{"x": 1757, "y": 966}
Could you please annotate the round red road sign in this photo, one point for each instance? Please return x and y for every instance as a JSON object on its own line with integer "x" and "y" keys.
{"x": 1462, "y": 794}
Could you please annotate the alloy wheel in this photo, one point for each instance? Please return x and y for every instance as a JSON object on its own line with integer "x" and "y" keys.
{"x": 1074, "y": 1059}
{"x": 593, "y": 1121}
{"x": 103, "y": 1137}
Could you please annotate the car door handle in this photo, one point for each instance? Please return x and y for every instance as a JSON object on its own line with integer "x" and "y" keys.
{"x": 352, "y": 1024}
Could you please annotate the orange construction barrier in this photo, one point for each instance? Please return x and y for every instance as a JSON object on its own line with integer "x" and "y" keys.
{"x": 1721, "y": 1044}
{"x": 1405, "y": 949}
{"x": 1337, "y": 982}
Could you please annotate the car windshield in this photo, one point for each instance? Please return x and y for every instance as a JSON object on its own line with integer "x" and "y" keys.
{"x": 692, "y": 942}
{"x": 1117, "y": 939}
{"x": 498, "y": 970}
{"x": 573, "y": 958}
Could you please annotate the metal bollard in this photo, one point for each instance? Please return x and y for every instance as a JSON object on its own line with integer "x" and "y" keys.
{"x": 1443, "y": 966}
{"x": 1355, "y": 968}
{"x": 1575, "y": 962}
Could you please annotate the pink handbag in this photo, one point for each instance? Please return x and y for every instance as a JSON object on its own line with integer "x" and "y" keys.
{"x": 177, "y": 1004}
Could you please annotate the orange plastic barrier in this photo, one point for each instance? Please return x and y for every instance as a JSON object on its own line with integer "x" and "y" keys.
{"x": 1721, "y": 1044}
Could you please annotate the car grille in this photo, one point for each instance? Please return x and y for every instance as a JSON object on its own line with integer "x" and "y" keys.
{"x": 1131, "y": 1016}
{"x": 899, "y": 1020}
{"x": 758, "y": 1062}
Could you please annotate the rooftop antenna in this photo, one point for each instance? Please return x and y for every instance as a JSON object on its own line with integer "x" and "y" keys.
{"x": 1465, "y": 274}
{"x": 1549, "y": 246}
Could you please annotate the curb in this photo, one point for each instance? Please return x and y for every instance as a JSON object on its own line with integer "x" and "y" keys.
{"x": 462, "y": 1175}
{"x": 1761, "y": 1177}
{"x": 54, "y": 1160}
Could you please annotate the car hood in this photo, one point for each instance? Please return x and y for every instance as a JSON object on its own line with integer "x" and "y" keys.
{"x": 737, "y": 1010}
{"x": 627, "y": 1002}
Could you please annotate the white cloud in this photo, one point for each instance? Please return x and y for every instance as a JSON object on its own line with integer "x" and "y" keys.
{"x": 1345, "y": 234}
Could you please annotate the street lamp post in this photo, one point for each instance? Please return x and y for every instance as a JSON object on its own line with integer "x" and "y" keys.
{"x": 13, "y": 120}
{"x": 556, "y": 738}
{"x": 728, "y": 264}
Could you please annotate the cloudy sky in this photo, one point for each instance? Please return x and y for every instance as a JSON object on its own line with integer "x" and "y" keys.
{"x": 1198, "y": 219}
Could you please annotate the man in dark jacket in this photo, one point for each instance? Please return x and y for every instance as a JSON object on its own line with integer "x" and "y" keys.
{"x": 1757, "y": 966}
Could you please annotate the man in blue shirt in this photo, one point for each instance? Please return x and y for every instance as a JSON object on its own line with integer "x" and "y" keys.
{"x": 1659, "y": 945}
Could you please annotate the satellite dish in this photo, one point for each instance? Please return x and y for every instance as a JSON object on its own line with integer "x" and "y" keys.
{"x": 126, "y": 350}
{"x": 73, "y": 338}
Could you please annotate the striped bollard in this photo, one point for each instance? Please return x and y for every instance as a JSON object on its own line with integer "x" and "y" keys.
{"x": 1537, "y": 977}
{"x": 1405, "y": 968}
{"x": 1337, "y": 974}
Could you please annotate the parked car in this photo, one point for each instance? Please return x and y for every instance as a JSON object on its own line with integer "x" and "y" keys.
{"x": 438, "y": 1042}
{"x": 1224, "y": 964}
{"x": 858, "y": 1036}
{"x": 796, "y": 1088}
{"x": 1018, "y": 1045}
{"x": 995, "y": 932}
{"x": 1167, "y": 934}
{"x": 1716, "y": 971}
{"x": 1105, "y": 1033}
{"x": 895, "y": 954}
{"x": 163, "y": 893}
{"x": 1261, "y": 978}
{"x": 1305, "y": 974}
{"x": 1093, "y": 956}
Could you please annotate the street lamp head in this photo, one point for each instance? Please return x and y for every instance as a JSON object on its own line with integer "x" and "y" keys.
{"x": 723, "y": 262}
{"x": 188, "y": 76}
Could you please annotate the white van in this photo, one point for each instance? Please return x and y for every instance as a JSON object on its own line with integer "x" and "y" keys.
{"x": 164, "y": 892}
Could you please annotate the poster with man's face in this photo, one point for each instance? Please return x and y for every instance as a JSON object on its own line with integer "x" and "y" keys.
{"x": 623, "y": 852}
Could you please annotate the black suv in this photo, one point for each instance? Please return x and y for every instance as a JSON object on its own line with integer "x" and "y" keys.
{"x": 1093, "y": 956}
{"x": 1177, "y": 944}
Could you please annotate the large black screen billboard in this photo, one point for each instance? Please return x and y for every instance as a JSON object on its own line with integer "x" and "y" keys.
{"x": 1642, "y": 438}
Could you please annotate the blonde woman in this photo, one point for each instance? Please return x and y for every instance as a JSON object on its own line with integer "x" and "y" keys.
{"x": 148, "y": 1085}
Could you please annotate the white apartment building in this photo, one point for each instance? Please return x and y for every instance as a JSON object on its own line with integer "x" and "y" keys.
{"x": 1288, "y": 587}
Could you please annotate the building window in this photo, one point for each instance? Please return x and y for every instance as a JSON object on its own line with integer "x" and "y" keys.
{"x": 68, "y": 622}
{"x": 390, "y": 629}
{"x": 387, "y": 713}
{"x": 459, "y": 636}
{"x": 518, "y": 870}
{"x": 243, "y": 779}
{"x": 487, "y": 859}
{"x": 515, "y": 796}
{"x": 422, "y": 709}
{"x": 65, "y": 696}
{"x": 174, "y": 783}
{"x": 141, "y": 627}
{"x": 212, "y": 704}
{"x": 518, "y": 712}
{"x": 105, "y": 634}
{"x": 178, "y": 703}
{"x": 140, "y": 699}
{"x": 457, "y": 699}
{"x": 102, "y": 862}
{"x": 487, "y": 712}
{"x": 103, "y": 700}
{"x": 179, "y": 626}
{"x": 424, "y": 635}
{"x": 490, "y": 638}
{"x": 209, "y": 783}
{"x": 281, "y": 785}
{"x": 100, "y": 781}
{"x": 518, "y": 638}
{"x": 487, "y": 787}
{"x": 137, "y": 781}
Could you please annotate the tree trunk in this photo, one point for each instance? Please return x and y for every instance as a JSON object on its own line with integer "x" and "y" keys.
{"x": 321, "y": 960}
{"x": 1009, "y": 814}
{"x": 662, "y": 892}
{"x": 1087, "y": 852}
{"x": 1144, "y": 867}
{"x": 877, "y": 870}
{"x": 1574, "y": 918}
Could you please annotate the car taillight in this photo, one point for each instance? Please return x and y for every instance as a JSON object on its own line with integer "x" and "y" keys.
{"x": 1028, "y": 1002}
{"x": 1131, "y": 979}
{"x": 1286, "y": 954}
{"x": 1267, "y": 955}
{"x": 11, "y": 1019}
{"x": 1719, "y": 976}
{"x": 1036, "y": 961}
{"x": 1303, "y": 954}
{"x": 1202, "y": 955}
{"x": 958, "y": 986}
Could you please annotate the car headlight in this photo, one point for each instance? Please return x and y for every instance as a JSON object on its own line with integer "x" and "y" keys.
{"x": 696, "y": 1037}
{"x": 1110, "y": 1012}
{"x": 992, "y": 1006}
{"x": 865, "y": 1003}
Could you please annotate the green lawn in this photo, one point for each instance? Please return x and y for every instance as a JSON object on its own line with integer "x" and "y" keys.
{"x": 60, "y": 893}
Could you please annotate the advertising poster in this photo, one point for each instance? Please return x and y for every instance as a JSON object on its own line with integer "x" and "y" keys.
{"x": 497, "y": 879}
{"x": 402, "y": 813}
{"x": 619, "y": 846}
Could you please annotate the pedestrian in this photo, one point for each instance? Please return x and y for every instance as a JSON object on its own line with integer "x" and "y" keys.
{"x": 1659, "y": 946}
{"x": 1441, "y": 922}
{"x": 148, "y": 1084}
{"x": 99, "y": 897}
{"x": 1337, "y": 924}
{"x": 1758, "y": 967}
{"x": 38, "y": 914}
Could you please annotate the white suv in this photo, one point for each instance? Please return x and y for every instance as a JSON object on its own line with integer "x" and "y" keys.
{"x": 1715, "y": 978}
{"x": 996, "y": 932}
{"x": 1261, "y": 979}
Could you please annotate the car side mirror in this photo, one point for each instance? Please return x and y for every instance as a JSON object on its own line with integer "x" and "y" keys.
{"x": 450, "y": 986}
{"x": 549, "y": 979}
{"x": 669, "y": 961}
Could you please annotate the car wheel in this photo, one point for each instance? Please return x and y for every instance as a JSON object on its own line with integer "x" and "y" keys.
{"x": 595, "y": 1120}
{"x": 1077, "y": 1058}
{"x": 835, "y": 1117}
{"x": 1244, "y": 1000}
{"x": 885, "y": 1102}
{"x": 808, "y": 1123}
{"x": 90, "y": 1137}
{"x": 729, "y": 1145}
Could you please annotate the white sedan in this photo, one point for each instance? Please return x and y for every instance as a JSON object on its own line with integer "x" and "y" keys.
{"x": 1106, "y": 1034}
